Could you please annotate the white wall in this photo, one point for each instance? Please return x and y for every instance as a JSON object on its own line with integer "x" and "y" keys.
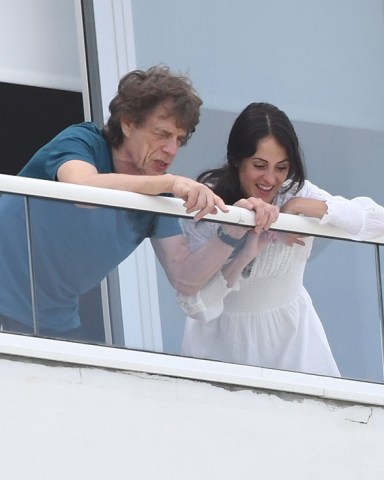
{"x": 38, "y": 44}
{"x": 70, "y": 422}
{"x": 320, "y": 61}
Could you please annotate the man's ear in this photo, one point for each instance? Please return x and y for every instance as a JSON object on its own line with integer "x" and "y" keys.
{"x": 126, "y": 126}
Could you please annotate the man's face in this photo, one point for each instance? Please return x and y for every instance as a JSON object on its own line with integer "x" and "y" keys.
{"x": 150, "y": 148}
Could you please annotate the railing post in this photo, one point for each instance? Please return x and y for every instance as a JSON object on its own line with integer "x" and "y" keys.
{"x": 380, "y": 300}
{"x": 30, "y": 265}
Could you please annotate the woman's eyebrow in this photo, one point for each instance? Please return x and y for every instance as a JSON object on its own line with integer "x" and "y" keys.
{"x": 267, "y": 161}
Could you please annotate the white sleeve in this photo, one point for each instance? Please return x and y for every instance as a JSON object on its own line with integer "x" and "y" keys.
{"x": 361, "y": 217}
{"x": 208, "y": 303}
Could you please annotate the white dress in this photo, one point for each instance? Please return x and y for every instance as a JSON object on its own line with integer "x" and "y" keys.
{"x": 267, "y": 318}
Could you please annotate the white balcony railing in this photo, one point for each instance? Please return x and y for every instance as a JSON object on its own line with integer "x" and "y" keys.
{"x": 172, "y": 206}
{"x": 178, "y": 366}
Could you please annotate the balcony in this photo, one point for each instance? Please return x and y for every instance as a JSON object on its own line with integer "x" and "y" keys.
{"x": 128, "y": 395}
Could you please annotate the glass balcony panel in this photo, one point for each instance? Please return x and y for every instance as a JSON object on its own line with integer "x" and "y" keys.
{"x": 68, "y": 248}
{"x": 340, "y": 277}
{"x": 16, "y": 314}
{"x": 74, "y": 247}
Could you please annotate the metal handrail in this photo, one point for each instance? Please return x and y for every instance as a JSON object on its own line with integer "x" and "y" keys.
{"x": 166, "y": 205}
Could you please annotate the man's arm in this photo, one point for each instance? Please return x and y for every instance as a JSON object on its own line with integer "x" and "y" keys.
{"x": 189, "y": 271}
{"x": 197, "y": 197}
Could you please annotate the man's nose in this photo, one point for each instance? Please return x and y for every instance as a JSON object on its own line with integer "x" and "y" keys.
{"x": 171, "y": 146}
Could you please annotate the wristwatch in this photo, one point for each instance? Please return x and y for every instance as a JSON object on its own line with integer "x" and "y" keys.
{"x": 224, "y": 237}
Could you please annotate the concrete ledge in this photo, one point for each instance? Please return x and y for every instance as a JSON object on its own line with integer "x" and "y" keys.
{"x": 241, "y": 376}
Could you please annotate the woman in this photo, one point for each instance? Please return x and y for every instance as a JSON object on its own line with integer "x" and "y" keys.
{"x": 255, "y": 310}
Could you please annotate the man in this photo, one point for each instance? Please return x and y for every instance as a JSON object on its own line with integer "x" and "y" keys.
{"x": 152, "y": 115}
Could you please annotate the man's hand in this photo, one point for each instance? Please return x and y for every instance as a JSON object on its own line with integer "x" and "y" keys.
{"x": 197, "y": 197}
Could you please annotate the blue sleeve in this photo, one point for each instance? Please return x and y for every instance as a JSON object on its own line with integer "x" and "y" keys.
{"x": 77, "y": 142}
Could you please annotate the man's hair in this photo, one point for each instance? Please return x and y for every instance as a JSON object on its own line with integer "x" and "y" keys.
{"x": 140, "y": 92}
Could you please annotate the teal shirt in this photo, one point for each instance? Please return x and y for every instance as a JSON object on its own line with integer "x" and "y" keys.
{"x": 77, "y": 142}
{"x": 73, "y": 247}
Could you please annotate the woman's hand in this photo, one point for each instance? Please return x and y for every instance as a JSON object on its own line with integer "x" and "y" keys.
{"x": 256, "y": 242}
{"x": 288, "y": 238}
{"x": 266, "y": 214}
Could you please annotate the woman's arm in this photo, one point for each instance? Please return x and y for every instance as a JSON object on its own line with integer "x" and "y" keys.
{"x": 361, "y": 217}
{"x": 309, "y": 207}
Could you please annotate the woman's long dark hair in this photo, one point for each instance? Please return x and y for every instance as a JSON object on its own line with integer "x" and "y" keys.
{"x": 256, "y": 122}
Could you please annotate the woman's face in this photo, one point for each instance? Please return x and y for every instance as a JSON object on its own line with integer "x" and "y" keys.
{"x": 262, "y": 174}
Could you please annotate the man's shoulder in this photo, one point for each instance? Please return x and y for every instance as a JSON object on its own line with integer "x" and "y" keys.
{"x": 84, "y": 129}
